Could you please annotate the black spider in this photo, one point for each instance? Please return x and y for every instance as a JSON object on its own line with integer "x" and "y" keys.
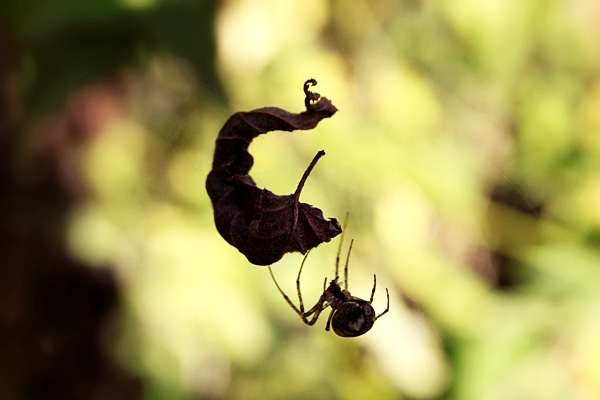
{"x": 350, "y": 316}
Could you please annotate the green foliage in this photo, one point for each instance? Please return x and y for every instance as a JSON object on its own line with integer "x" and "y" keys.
{"x": 466, "y": 151}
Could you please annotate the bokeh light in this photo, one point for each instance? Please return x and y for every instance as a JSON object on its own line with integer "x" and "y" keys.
{"x": 465, "y": 151}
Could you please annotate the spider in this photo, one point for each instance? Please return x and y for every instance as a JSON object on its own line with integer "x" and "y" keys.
{"x": 350, "y": 316}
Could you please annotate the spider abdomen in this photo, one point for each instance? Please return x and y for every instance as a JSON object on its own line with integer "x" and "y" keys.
{"x": 353, "y": 318}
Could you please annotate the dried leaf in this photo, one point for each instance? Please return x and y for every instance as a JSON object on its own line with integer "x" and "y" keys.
{"x": 260, "y": 224}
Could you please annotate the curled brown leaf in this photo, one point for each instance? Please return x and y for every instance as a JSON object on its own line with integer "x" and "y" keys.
{"x": 260, "y": 224}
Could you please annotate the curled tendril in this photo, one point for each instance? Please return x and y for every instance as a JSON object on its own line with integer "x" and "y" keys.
{"x": 311, "y": 97}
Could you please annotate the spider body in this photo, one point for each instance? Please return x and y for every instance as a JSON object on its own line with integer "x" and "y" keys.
{"x": 350, "y": 316}
{"x": 353, "y": 318}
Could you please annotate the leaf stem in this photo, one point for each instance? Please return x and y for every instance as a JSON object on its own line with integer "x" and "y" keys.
{"x": 320, "y": 154}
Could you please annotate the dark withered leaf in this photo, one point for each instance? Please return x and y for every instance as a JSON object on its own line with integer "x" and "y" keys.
{"x": 260, "y": 224}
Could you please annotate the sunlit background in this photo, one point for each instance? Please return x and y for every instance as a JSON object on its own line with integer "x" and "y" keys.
{"x": 466, "y": 150}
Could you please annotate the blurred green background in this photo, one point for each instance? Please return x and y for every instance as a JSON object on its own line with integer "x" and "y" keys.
{"x": 466, "y": 151}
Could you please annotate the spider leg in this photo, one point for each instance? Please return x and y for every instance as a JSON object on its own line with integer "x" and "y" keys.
{"x": 346, "y": 267}
{"x": 329, "y": 320}
{"x": 337, "y": 258}
{"x": 373, "y": 291}
{"x": 301, "y": 314}
{"x": 316, "y": 310}
{"x": 298, "y": 283}
{"x": 388, "y": 305}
